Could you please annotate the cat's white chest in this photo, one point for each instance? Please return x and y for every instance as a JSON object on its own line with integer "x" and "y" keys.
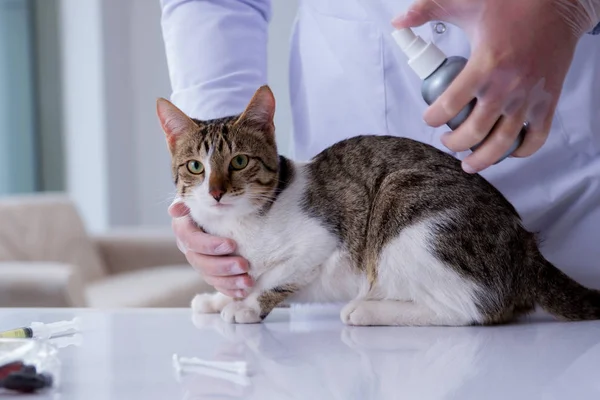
{"x": 260, "y": 248}
{"x": 256, "y": 241}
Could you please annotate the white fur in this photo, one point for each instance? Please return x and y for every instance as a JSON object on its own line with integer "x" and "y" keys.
{"x": 409, "y": 273}
{"x": 338, "y": 281}
{"x": 394, "y": 312}
{"x": 286, "y": 246}
{"x": 210, "y": 303}
{"x": 242, "y": 312}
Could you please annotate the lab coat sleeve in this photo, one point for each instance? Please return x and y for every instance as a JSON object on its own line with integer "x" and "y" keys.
{"x": 216, "y": 53}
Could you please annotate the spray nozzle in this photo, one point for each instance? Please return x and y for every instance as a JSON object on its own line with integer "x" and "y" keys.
{"x": 424, "y": 58}
{"x": 408, "y": 41}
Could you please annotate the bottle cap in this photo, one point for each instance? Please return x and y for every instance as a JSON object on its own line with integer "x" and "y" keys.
{"x": 46, "y": 331}
{"x": 424, "y": 58}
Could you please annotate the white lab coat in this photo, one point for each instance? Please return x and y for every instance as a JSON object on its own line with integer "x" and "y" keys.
{"x": 348, "y": 78}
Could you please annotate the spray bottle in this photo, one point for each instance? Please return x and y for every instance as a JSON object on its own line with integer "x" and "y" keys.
{"x": 437, "y": 73}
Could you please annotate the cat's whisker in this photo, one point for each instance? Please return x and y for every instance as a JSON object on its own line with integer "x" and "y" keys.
{"x": 168, "y": 199}
{"x": 252, "y": 193}
{"x": 265, "y": 197}
{"x": 260, "y": 193}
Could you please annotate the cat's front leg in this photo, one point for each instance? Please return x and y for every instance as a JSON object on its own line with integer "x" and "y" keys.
{"x": 258, "y": 305}
{"x": 210, "y": 303}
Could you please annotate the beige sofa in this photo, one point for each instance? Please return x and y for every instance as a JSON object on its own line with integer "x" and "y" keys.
{"x": 48, "y": 259}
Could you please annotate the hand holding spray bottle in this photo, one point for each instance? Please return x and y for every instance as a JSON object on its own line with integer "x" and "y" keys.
{"x": 437, "y": 73}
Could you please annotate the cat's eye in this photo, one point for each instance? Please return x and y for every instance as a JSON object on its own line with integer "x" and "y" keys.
{"x": 195, "y": 167}
{"x": 239, "y": 162}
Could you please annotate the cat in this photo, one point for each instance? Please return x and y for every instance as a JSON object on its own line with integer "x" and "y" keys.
{"x": 391, "y": 227}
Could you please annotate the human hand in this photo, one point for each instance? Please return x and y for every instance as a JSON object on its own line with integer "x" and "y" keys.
{"x": 210, "y": 255}
{"x": 521, "y": 53}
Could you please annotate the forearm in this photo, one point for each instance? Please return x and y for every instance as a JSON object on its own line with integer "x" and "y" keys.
{"x": 216, "y": 53}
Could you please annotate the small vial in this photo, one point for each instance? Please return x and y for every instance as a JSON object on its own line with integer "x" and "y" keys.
{"x": 19, "y": 333}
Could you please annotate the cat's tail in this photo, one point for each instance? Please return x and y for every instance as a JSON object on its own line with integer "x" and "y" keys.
{"x": 562, "y": 296}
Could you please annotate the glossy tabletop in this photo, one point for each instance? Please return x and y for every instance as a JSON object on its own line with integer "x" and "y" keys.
{"x": 307, "y": 353}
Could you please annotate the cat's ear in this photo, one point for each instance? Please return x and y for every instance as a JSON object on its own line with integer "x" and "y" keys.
{"x": 260, "y": 111}
{"x": 173, "y": 121}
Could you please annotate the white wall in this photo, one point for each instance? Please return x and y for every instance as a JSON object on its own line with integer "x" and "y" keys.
{"x": 284, "y": 13}
{"x": 84, "y": 109}
{"x": 114, "y": 68}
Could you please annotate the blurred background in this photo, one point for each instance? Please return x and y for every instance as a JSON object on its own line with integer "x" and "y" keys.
{"x": 80, "y": 141}
{"x": 78, "y": 84}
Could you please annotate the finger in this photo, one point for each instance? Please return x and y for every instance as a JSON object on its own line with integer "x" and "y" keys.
{"x": 181, "y": 246}
{"x": 178, "y": 209}
{"x": 239, "y": 294}
{"x": 540, "y": 121}
{"x": 456, "y": 97}
{"x": 194, "y": 239}
{"x": 475, "y": 128}
{"x": 497, "y": 144}
{"x": 217, "y": 266}
{"x": 418, "y": 13}
{"x": 241, "y": 282}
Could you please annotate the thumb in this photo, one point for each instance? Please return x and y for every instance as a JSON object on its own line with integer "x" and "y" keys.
{"x": 178, "y": 209}
{"x": 418, "y": 13}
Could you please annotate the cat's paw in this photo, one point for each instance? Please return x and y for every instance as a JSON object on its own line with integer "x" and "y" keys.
{"x": 210, "y": 303}
{"x": 354, "y": 313}
{"x": 239, "y": 313}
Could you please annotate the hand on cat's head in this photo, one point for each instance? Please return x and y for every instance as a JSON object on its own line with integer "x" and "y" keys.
{"x": 226, "y": 166}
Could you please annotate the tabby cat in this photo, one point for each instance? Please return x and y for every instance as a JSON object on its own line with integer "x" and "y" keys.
{"x": 392, "y": 227}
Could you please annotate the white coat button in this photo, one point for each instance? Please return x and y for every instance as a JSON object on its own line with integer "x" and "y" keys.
{"x": 439, "y": 28}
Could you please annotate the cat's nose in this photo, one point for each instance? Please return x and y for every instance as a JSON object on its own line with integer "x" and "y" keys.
{"x": 217, "y": 193}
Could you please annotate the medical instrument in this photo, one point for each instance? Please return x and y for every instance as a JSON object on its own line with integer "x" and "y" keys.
{"x": 40, "y": 330}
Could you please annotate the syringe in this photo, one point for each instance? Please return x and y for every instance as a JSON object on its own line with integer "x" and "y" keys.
{"x": 40, "y": 330}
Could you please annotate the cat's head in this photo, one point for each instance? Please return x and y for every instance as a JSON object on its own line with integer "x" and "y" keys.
{"x": 226, "y": 166}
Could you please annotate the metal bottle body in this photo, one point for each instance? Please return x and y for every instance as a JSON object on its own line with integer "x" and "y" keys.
{"x": 436, "y": 83}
